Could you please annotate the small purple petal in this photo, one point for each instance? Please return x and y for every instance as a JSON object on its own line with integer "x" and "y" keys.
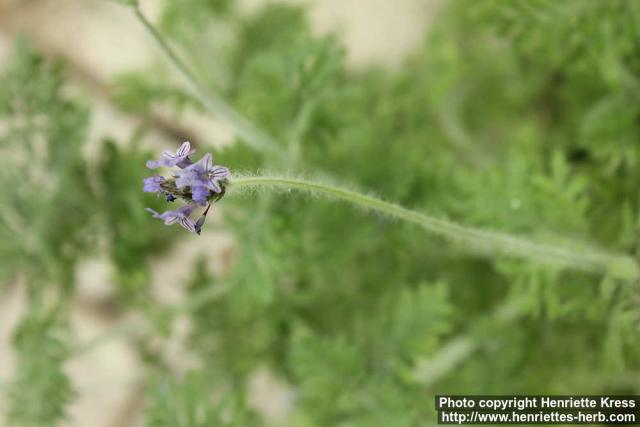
{"x": 184, "y": 163}
{"x": 213, "y": 186}
{"x": 171, "y": 217}
{"x": 207, "y": 161}
{"x": 187, "y": 177}
{"x": 180, "y": 158}
{"x": 185, "y": 210}
{"x": 185, "y": 150}
{"x": 199, "y": 194}
{"x": 219, "y": 172}
{"x": 188, "y": 224}
{"x": 155, "y": 164}
{"x": 152, "y": 184}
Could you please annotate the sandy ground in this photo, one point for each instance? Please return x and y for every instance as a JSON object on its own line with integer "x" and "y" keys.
{"x": 101, "y": 39}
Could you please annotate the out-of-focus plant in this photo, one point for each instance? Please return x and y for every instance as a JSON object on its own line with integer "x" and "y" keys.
{"x": 45, "y": 225}
{"x": 57, "y": 208}
{"x": 514, "y": 119}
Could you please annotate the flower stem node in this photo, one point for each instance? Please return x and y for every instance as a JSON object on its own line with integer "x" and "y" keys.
{"x": 201, "y": 183}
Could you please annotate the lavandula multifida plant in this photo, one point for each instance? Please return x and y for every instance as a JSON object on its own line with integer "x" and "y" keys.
{"x": 198, "y": 184}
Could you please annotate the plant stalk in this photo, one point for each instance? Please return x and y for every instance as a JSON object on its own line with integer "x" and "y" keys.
{"x": 485, "y": 242}
{"x": 254, "y": 137}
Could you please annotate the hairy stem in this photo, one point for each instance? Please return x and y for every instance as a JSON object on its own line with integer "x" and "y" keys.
{"x": 485, "y": 242}
{"x": 254, "y": 137}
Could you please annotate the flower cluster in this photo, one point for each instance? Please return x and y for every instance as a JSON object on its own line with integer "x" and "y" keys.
{"x": 199, "y": 184}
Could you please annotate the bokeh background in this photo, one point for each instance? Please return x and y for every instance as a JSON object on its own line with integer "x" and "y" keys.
{"x": 516, "y": 116}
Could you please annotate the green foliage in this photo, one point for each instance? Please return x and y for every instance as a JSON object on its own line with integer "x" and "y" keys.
{"x": 40, "y": 389}
{"x": 176, "y": 13}
{"x": 198, "y": 26}
{"x": 359, "y": 376}
{"x": 43, "y": 171}
{"x": 192, "y": 402}
{"x": 518, "y": 117}
{"x": 45, "y": 225}
{"x": 137, "y": 93}
{"x": 57, "y": 208}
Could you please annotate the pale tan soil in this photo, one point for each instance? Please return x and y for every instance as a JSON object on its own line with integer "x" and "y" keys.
{"x": 101, "y": 39}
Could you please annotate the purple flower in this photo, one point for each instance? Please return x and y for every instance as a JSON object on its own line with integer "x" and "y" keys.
{"x": 180, "y": 215}
{"x": 193, "y": 182}
{"x": 202, "y": 177}
{"x": 152, "y": 184}
{"x": 180, "y": 158}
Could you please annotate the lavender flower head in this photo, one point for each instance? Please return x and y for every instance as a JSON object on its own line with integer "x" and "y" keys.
{"x": 202, "y": 177}
{"x": 201, "y": 183}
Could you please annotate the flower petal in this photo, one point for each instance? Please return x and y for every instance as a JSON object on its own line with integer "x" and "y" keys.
{"x": 155, "y": 164}
{"x": 169, "y": 155}
{"x": 186, "y": 177}
{"x": 152, "y": 184}
{"x": 188, "y": 224}
{"x": 184, "y": 150}
{"x": 180, "y": 158}
{"x": 219, "y": 172}
{"x": 214, "y": 186}
{"x": 207, "y": 162}
{"x": 185, "y": 210}
{"x": 199, "y": 194}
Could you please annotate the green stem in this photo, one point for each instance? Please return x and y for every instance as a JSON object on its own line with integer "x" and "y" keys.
{"x": 486, "y": 242}
{"x": 254, "y": 137}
